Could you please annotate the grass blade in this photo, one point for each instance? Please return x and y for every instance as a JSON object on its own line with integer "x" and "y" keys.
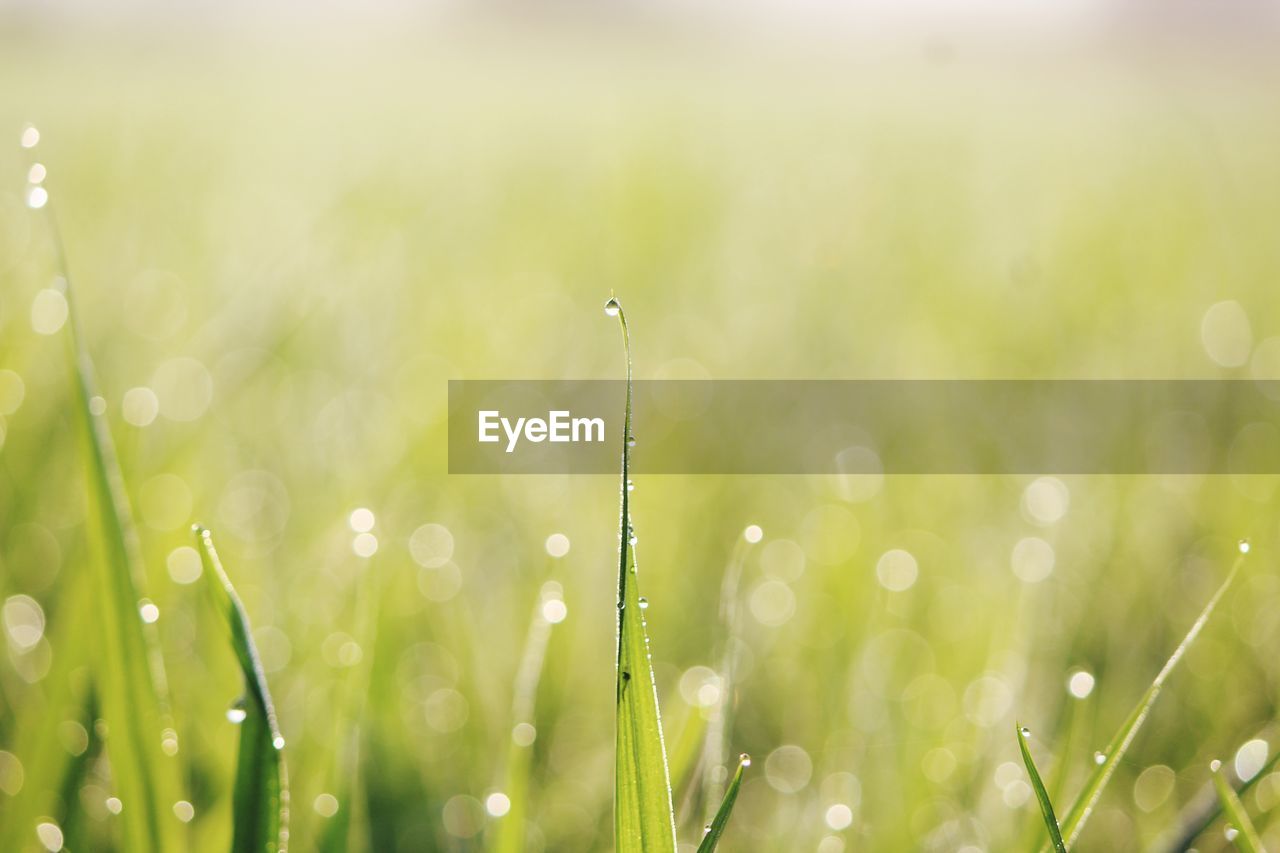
{"x": 721, "y": 820}
{"x": 130, "y": 674}
{"x": 1246, "y": 838}
{"x": 1042, "y": 795}
{"x": 1205, "y": 816}
{"x": 714, "y": 758}
{"x": 684, "y": 758}
{"x": 510, "y": 834}
{"x": 1082, "y": 808}
{"x": 260, "y": 801}
{"x": 643, "y": 819}
{"x": 34, "y": 731}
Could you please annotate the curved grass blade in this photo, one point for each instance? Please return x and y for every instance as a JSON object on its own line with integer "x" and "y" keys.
{"x": 1246, "y": 838}
{"x": 721, "y": 820}
{"x": 1042, "y": 795}
{"x": 643, "y": 818}
{"x": 1082, "y": 808}
{"x": 260, "y": 801}
{"x": 130, "y": 674}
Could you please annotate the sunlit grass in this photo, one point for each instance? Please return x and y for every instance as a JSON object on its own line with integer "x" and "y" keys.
{"x": 328, "y": 275}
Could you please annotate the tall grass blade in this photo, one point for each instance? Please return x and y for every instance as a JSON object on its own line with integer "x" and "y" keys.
{"x": 260, "y": 800}
{"x": 714, "y": 759}
{"x": 684, "y": 758}
{"x": 721, "y": 820}
{"x": 1246, "y": 836}
{"x": 1082, "y": 808}
{"x": 130, "y": 674}
{"x": 510, "y": 835}
{"x": 643, "y": 819}
{"x": 346, "y": 775}
{"x": 1042, "y": 795}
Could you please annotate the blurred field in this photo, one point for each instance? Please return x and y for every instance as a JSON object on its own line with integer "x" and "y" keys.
{"x": 294, "y": 243}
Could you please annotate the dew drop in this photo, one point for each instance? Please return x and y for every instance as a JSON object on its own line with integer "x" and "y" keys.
{"x": 237, "y": 713}
{"x": 631, "y": 441}
{"x": 631, "y": 487}
{"x": 622, "y": 605}
{"x": 37, "y": 197}
{"x": 1024, "y": 731}
{"x": 611, "y": 307}
{"x": 744, "y": 760}
{"x": 644, "y": 605}
{"x": 1099, "y": 758}
{"x": 1230, "y": 833}
{"x": 30, "y": 136}
{"x": 1215, "y": 765}
{"x": 1243, "y": 546}
{"x": 278, "y": 742}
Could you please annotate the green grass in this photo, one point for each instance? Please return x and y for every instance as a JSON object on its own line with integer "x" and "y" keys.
{"x": 644, "y": 819}
{"x": 1042, "y": 795}
{"x": 1108, "y": 759}
{"x": 512, "y": 831}
{"x": 260, "y": 798}
{"x": 129, "y": 674}
{"x": 1240, "y": 828}
{"x": 329, "y": 249}
{"x": 716, "y": 828}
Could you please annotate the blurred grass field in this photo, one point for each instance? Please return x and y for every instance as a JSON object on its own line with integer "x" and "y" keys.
{"x": 282, "y": 250}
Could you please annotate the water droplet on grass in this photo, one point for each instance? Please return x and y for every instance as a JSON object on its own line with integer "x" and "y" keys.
{"x": 644, "y": 605}
{"x": 1231, "y": 832}
{"x": 1099, "y": 758}
{"x": 1243, "y": 546}
{"x": 278, "y": 742}
{"x": 744, "y": 760}
{"x": 611, "y": 307}
{"x": 30, "y": 136}
{"x": 1024, "y": 731}
{"x": 237, "y": 713}
{"x": 1215, "y": 765}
